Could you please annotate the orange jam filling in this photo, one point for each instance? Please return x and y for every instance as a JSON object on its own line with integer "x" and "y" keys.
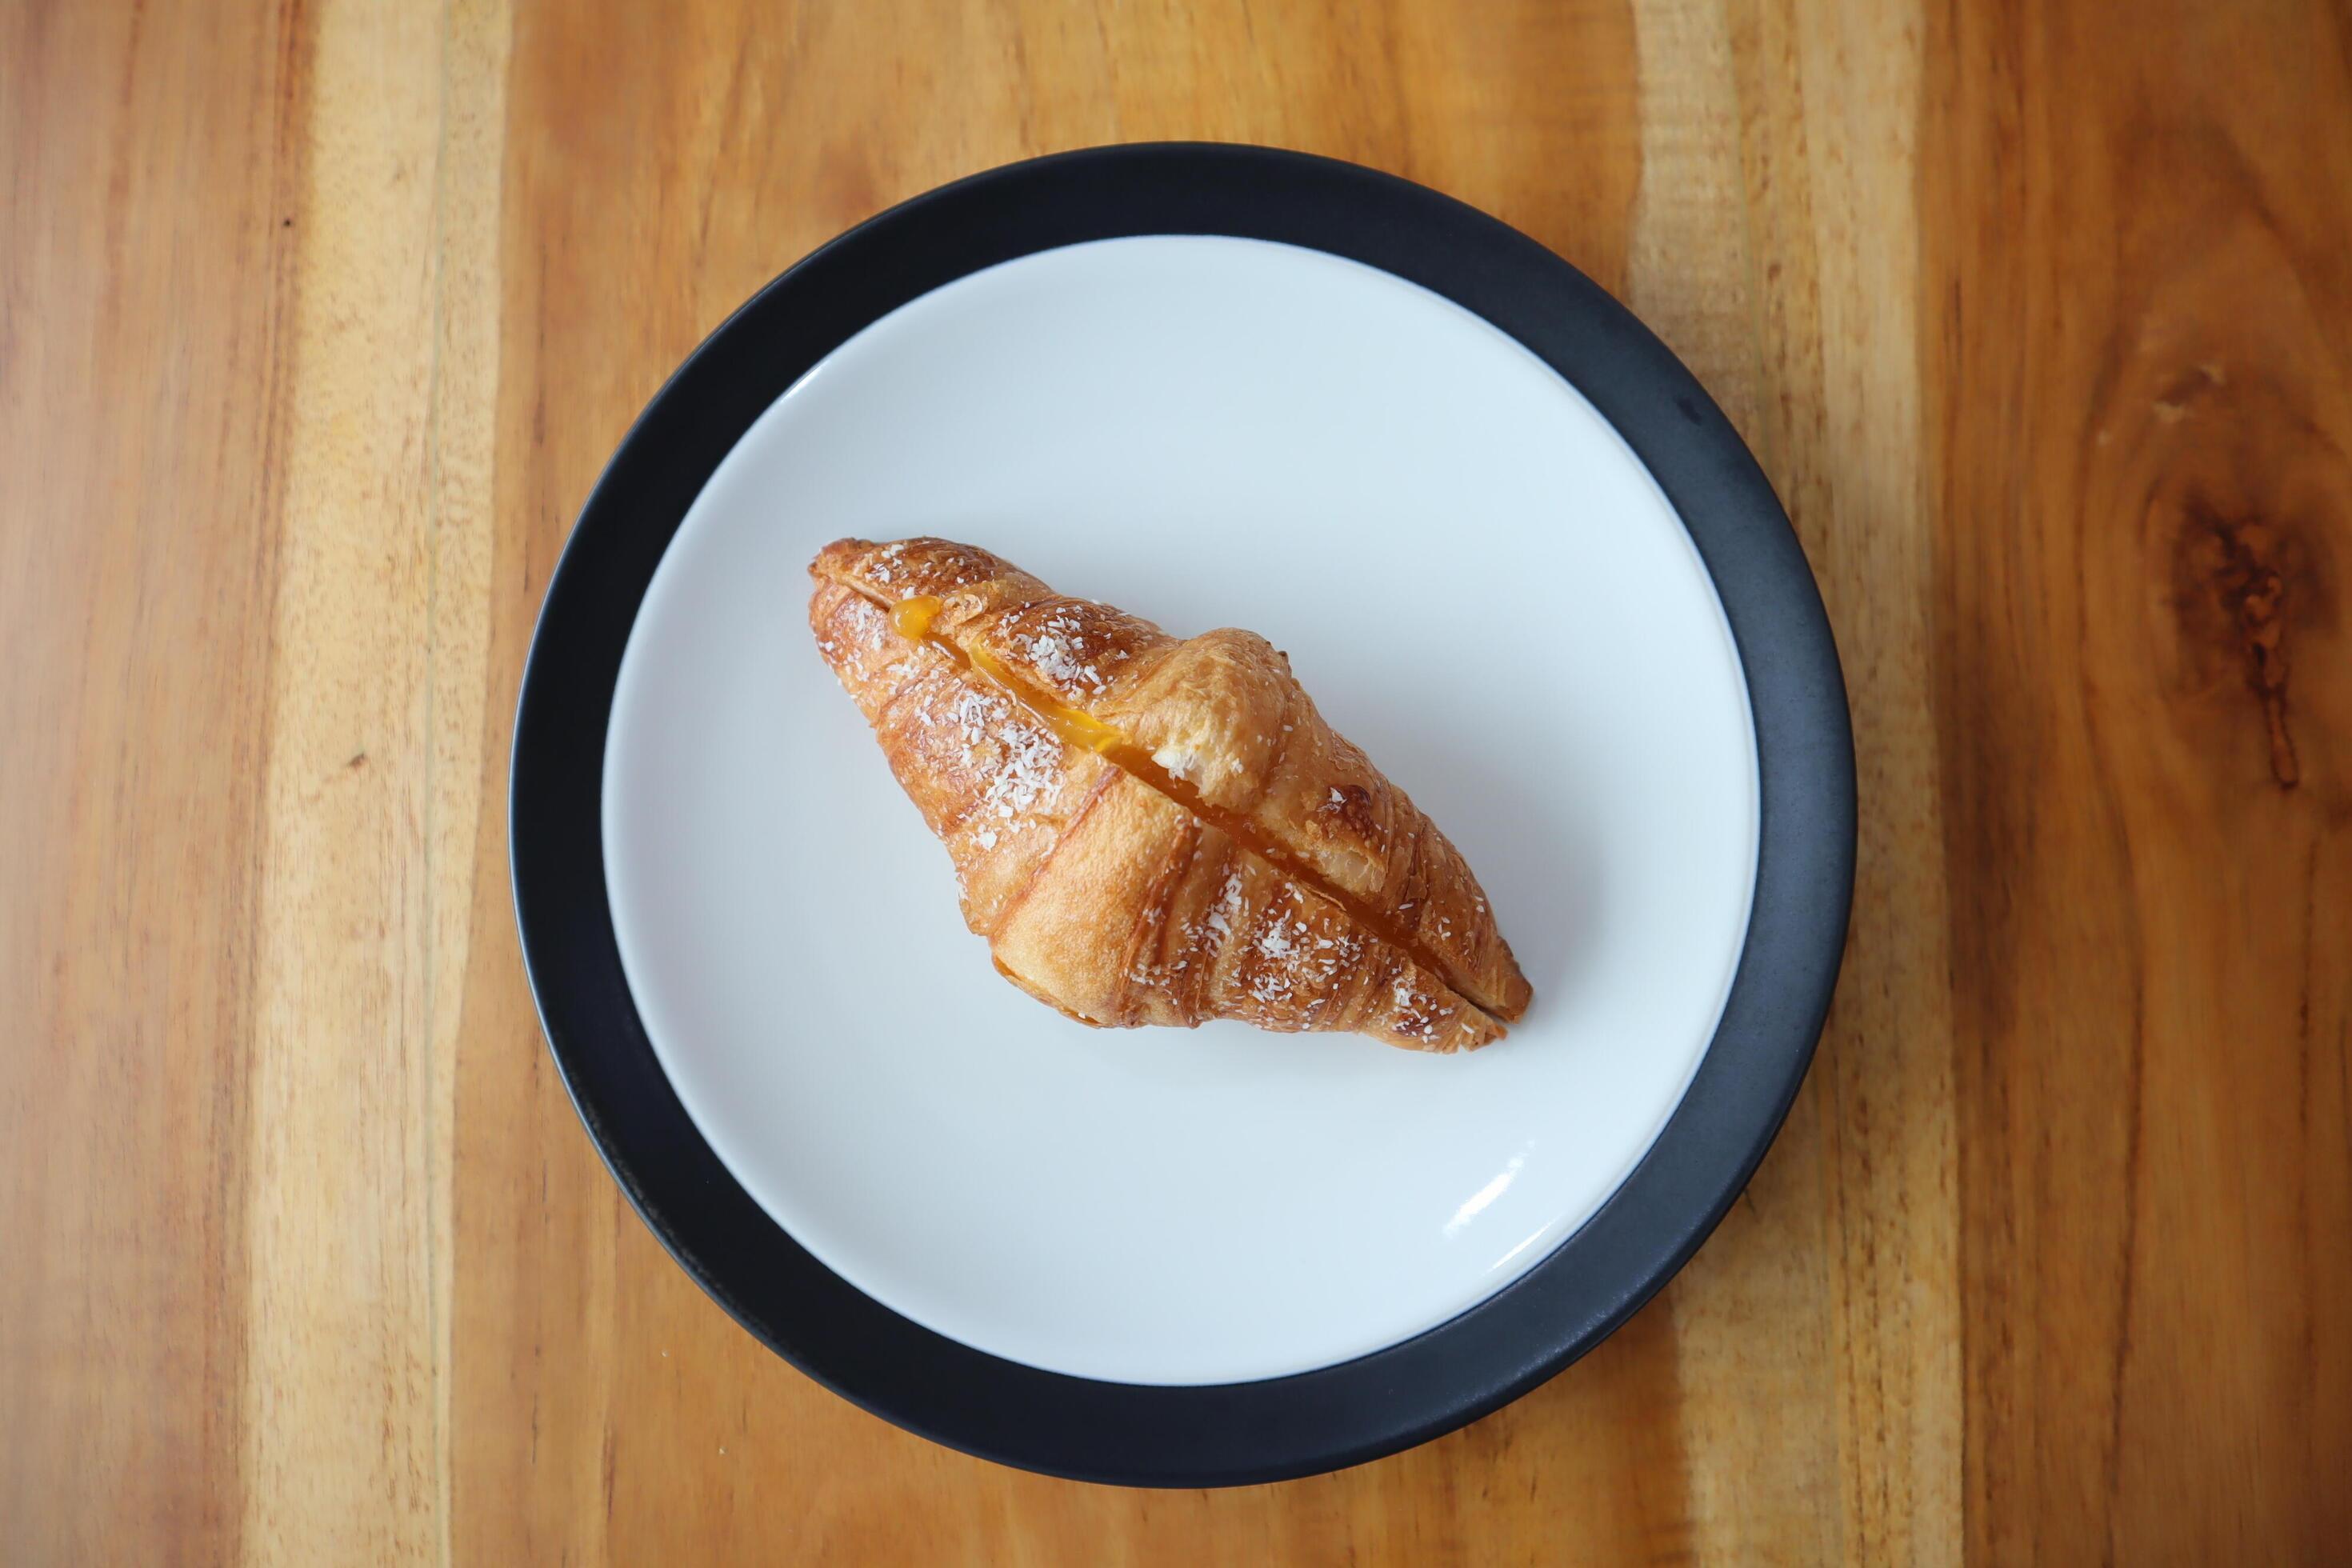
{"x": 913, "y": 619}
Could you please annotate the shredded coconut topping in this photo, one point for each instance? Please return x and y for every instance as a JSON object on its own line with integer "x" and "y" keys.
{"x": 1058, "y": 658}
{"x": 1229, "y": 904}
{"x": 1021, "y": 769}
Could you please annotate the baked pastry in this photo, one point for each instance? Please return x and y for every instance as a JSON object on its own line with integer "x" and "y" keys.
{"x": 1155, "y": 831}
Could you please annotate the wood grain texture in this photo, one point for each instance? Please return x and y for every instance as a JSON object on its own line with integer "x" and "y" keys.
{"x": 317, "y": 322}
{"x": 145, "y": 302}
{"x": 2140, "y": 371}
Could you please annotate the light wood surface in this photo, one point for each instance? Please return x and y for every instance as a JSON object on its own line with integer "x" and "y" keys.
{"x": 316, "y": 322}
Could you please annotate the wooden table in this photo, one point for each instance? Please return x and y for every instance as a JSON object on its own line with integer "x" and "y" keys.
{"x": 317, "y": 320}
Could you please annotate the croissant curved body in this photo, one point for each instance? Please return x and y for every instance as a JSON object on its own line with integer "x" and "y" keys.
{"x": 1149, "y": 831}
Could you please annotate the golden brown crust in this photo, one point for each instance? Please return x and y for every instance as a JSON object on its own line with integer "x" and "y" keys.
{"x": 1223, "y": 715}
{"x": 1098, "y": 894}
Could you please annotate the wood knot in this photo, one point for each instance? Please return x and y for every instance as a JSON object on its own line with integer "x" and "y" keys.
{"x": 2218, "y": 441}
{"x": 2236, "y": 576}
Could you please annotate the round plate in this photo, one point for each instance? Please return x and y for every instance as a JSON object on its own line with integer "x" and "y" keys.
{"x": 1480, "y": 584}
{"x": 1215, "y": 386}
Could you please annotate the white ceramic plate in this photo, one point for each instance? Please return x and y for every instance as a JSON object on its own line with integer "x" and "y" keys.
{"x": 1479, "y": 582}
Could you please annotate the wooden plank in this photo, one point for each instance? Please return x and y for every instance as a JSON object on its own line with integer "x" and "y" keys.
{"x": 1762, "y": 1487}
{"x": 2140, "y": 374}
{"x": 1830, "y": 95}
{"x": 144, "y": 276}
{"x": 376, "y": 784}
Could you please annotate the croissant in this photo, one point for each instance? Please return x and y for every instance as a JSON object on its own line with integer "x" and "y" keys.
{"x": 1155, "y": 831}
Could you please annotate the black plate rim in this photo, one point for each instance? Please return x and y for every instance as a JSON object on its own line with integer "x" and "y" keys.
{"x": 1306, "y": 1422}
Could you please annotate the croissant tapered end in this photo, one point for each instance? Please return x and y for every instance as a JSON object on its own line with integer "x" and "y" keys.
{"x": 1211, "y": 850}
{"x": 1225, "y": 711}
